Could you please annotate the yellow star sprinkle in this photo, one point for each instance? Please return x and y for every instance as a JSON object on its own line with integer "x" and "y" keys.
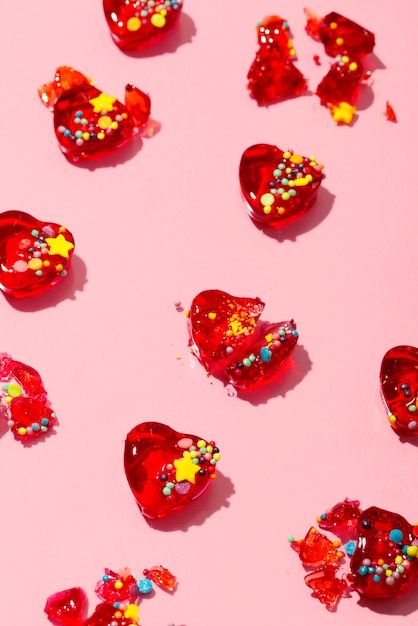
{"x": 102, "y": 102}
{"x": 342, "y": 113}
{"x": 132, "y": 612}
{"x": 59, "y": 245}
{"x": 186, "y": 469}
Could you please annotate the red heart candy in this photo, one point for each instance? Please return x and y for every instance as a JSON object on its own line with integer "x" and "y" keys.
{"x": 88, "y": 123}
{"x": 399, "y": 387}
{"x": 23, "y": 400}
{"x": 67, "y": 608}
{"x": 165, "y": 469}
{"x": 272, "y": 75}
{"x": 339, "y": 34}
{"x": 34, "y": 255}
{"x": 279, "y": 187}
{"x": 384, "y": 564}
{"x": 137, "y": 25}
{"x": 225, "y": 337}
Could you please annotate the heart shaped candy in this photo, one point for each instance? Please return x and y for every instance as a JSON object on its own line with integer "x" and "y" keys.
{"x": 23, "y": 400}
{"x": 339, "y": 34}
{"x": 34, "y": 255}
{"x": 67, "y": 608}
{"x": 272, "y": 75}
{"x": 279, "y": 187}
{"x": 165, "y": 469}
{"x": 137, "y": 25}
{"x": 225, "y": 337}
{"x": 384, "y": 564}
{"x": 399, "y": 387}
{"x": 88, "y": 123}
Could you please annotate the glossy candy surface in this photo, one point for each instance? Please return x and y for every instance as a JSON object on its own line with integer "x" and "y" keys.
{"x": 326, "y": 586}
{"x": 339, "y": 34}
{"x": 316, "y": 549}
{"x": 166, "y": 470}
{"x": 135, "y": 25}
{"x": 279, "y": 187}
{"x": 228, "y": 341}
{"x": 90, "y": 124}
{"x": 34, "y": 255}
{"x": 67, "y": 608}
{"x": 341, "y": 517}
{"x": 272, "y": 75}
{"x": 399, "y": 387}
{"x": 23, "y": 400}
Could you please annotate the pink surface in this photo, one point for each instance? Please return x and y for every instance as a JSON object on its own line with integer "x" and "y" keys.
{"x": 160, "y": 224}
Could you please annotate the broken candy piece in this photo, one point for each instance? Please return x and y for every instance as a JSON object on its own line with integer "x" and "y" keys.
{"x": 67, "y": 608}
{"x": 272, "y": 75}
{"x": 326, "y": 586}
{"x": 343, "y": 516}
{"x": 399, "y": 388}
{"x": 90, "y": 124}
{"x": 162, "y": 577}
{"x": 342, "y": 83}
{"x": 108, "y": 615}
{"x": 339, "y": 34}
{"x": 225, "y": 337}
{"x": 167, "y": 470}
{"x": 316, "y": 549}
{"x": 23, "y": 400}
{"x": 34, "y": 255}
{"x": 384, "y": 564}
{"x": 390, "y": 113}
{"x": 137, "y": 25}
{"x": 279, "y": 187}
{"x": 115, "y": 587}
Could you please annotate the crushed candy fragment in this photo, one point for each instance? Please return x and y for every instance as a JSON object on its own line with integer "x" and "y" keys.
{"x": 167, "y": 470}
{"x": 399, "y": 388}
{"x": 340, "y": 517}
{"x": 339, "y": 34}
{"x": 229, "y": 342}
{"x": 273, "y": 75}
{"x": 162, "y": 577}
{"x": 34, "y": 255}
{"x": 138, "y": 25}
{"x": 90, "y": 124}
{"x": 278, "y": 186}
{"x": 316, "y": 549}
{"x": 390, "y": 113}
{"x": 326, "y": 586}
{"x": 23, "y": 400}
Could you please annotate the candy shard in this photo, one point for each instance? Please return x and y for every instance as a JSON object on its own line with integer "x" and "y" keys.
{"x": 316, "y": 549}
{"x": 341, "y": 517}
{"x": 399, "y": 388}
{"x": 339, "y": 34}
{"x": 390, "y": 113}
{"x": 326, "y": 586}
{"x": 67, "y": 608}
{"x": 162, "y": 577}
{"x": 114, "y": 587}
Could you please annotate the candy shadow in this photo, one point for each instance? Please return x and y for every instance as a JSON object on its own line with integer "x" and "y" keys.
{"x": 365, "y": 99}
{"x": 296, "y": 369}
{"x": 408, "y": 604}
{"x": 198, "y": 511}
{"x": 372, "y": 62}
{"x": 182, "y": 33}
{"x": 307, "y": 222}
{"x": 411, "y": 440}
{"x": 65, "y": 290}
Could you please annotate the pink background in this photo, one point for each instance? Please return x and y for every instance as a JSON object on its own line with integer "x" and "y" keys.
{"x": 161, "y": 223}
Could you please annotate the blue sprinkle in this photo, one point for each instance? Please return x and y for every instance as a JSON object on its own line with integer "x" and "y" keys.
{"x": 350, "y": 548}
{"x": 363, "y": 570}
{"x": 35, "y": 426}
{"x": 376, "y": 578}
{"x": 396, "y": 535}
{"x": 265, "y": 354}
{"x": 323, "y": 516}
{"x": 44, "y": 421}
{"x": 295, "y": 333}
{"x": 116, "y": 605}
{"x": 79, "y": 114}
{"x": 144, "y": 585}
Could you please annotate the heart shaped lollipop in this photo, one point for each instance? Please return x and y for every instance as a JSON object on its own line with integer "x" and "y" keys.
{"x": 89, "y": 124}
{"x": 137, "y": 25}
{"x": 34, "y": 255}
{"x": 165, "y": 469}
{"x": 399, "y": 387}
{"x": 23, "y": 400}
{"x": 279, "y": 187}
{"x": 228, "y": 341}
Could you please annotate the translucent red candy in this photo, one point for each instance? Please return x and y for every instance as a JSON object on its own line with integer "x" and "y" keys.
{"x": 23, "y": 400}
{"x": 167, "y": 470}
{"x": 67, "y": 608}
{"x": 88, "y": 123}
{"x": 162, "y": 577}
{"x": 272, "y": 75}
{"x": 316, "y": 549}
{"x": 113, "y": 587}
{"x": 34, "y": 255}
{"x": 390, "y": 113}
{"x": 339, "y": 34}
{"x": 279, "y": 187}
{"x": 399, "y": 387}
{"x": 384, "y": 564}
{"x": 326, "y": 586}
{"x": 342, "y": 83}
{"x": 137, "y": 25}
{"x": 228, "y": 341}
{"x": 341, "y": 517}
